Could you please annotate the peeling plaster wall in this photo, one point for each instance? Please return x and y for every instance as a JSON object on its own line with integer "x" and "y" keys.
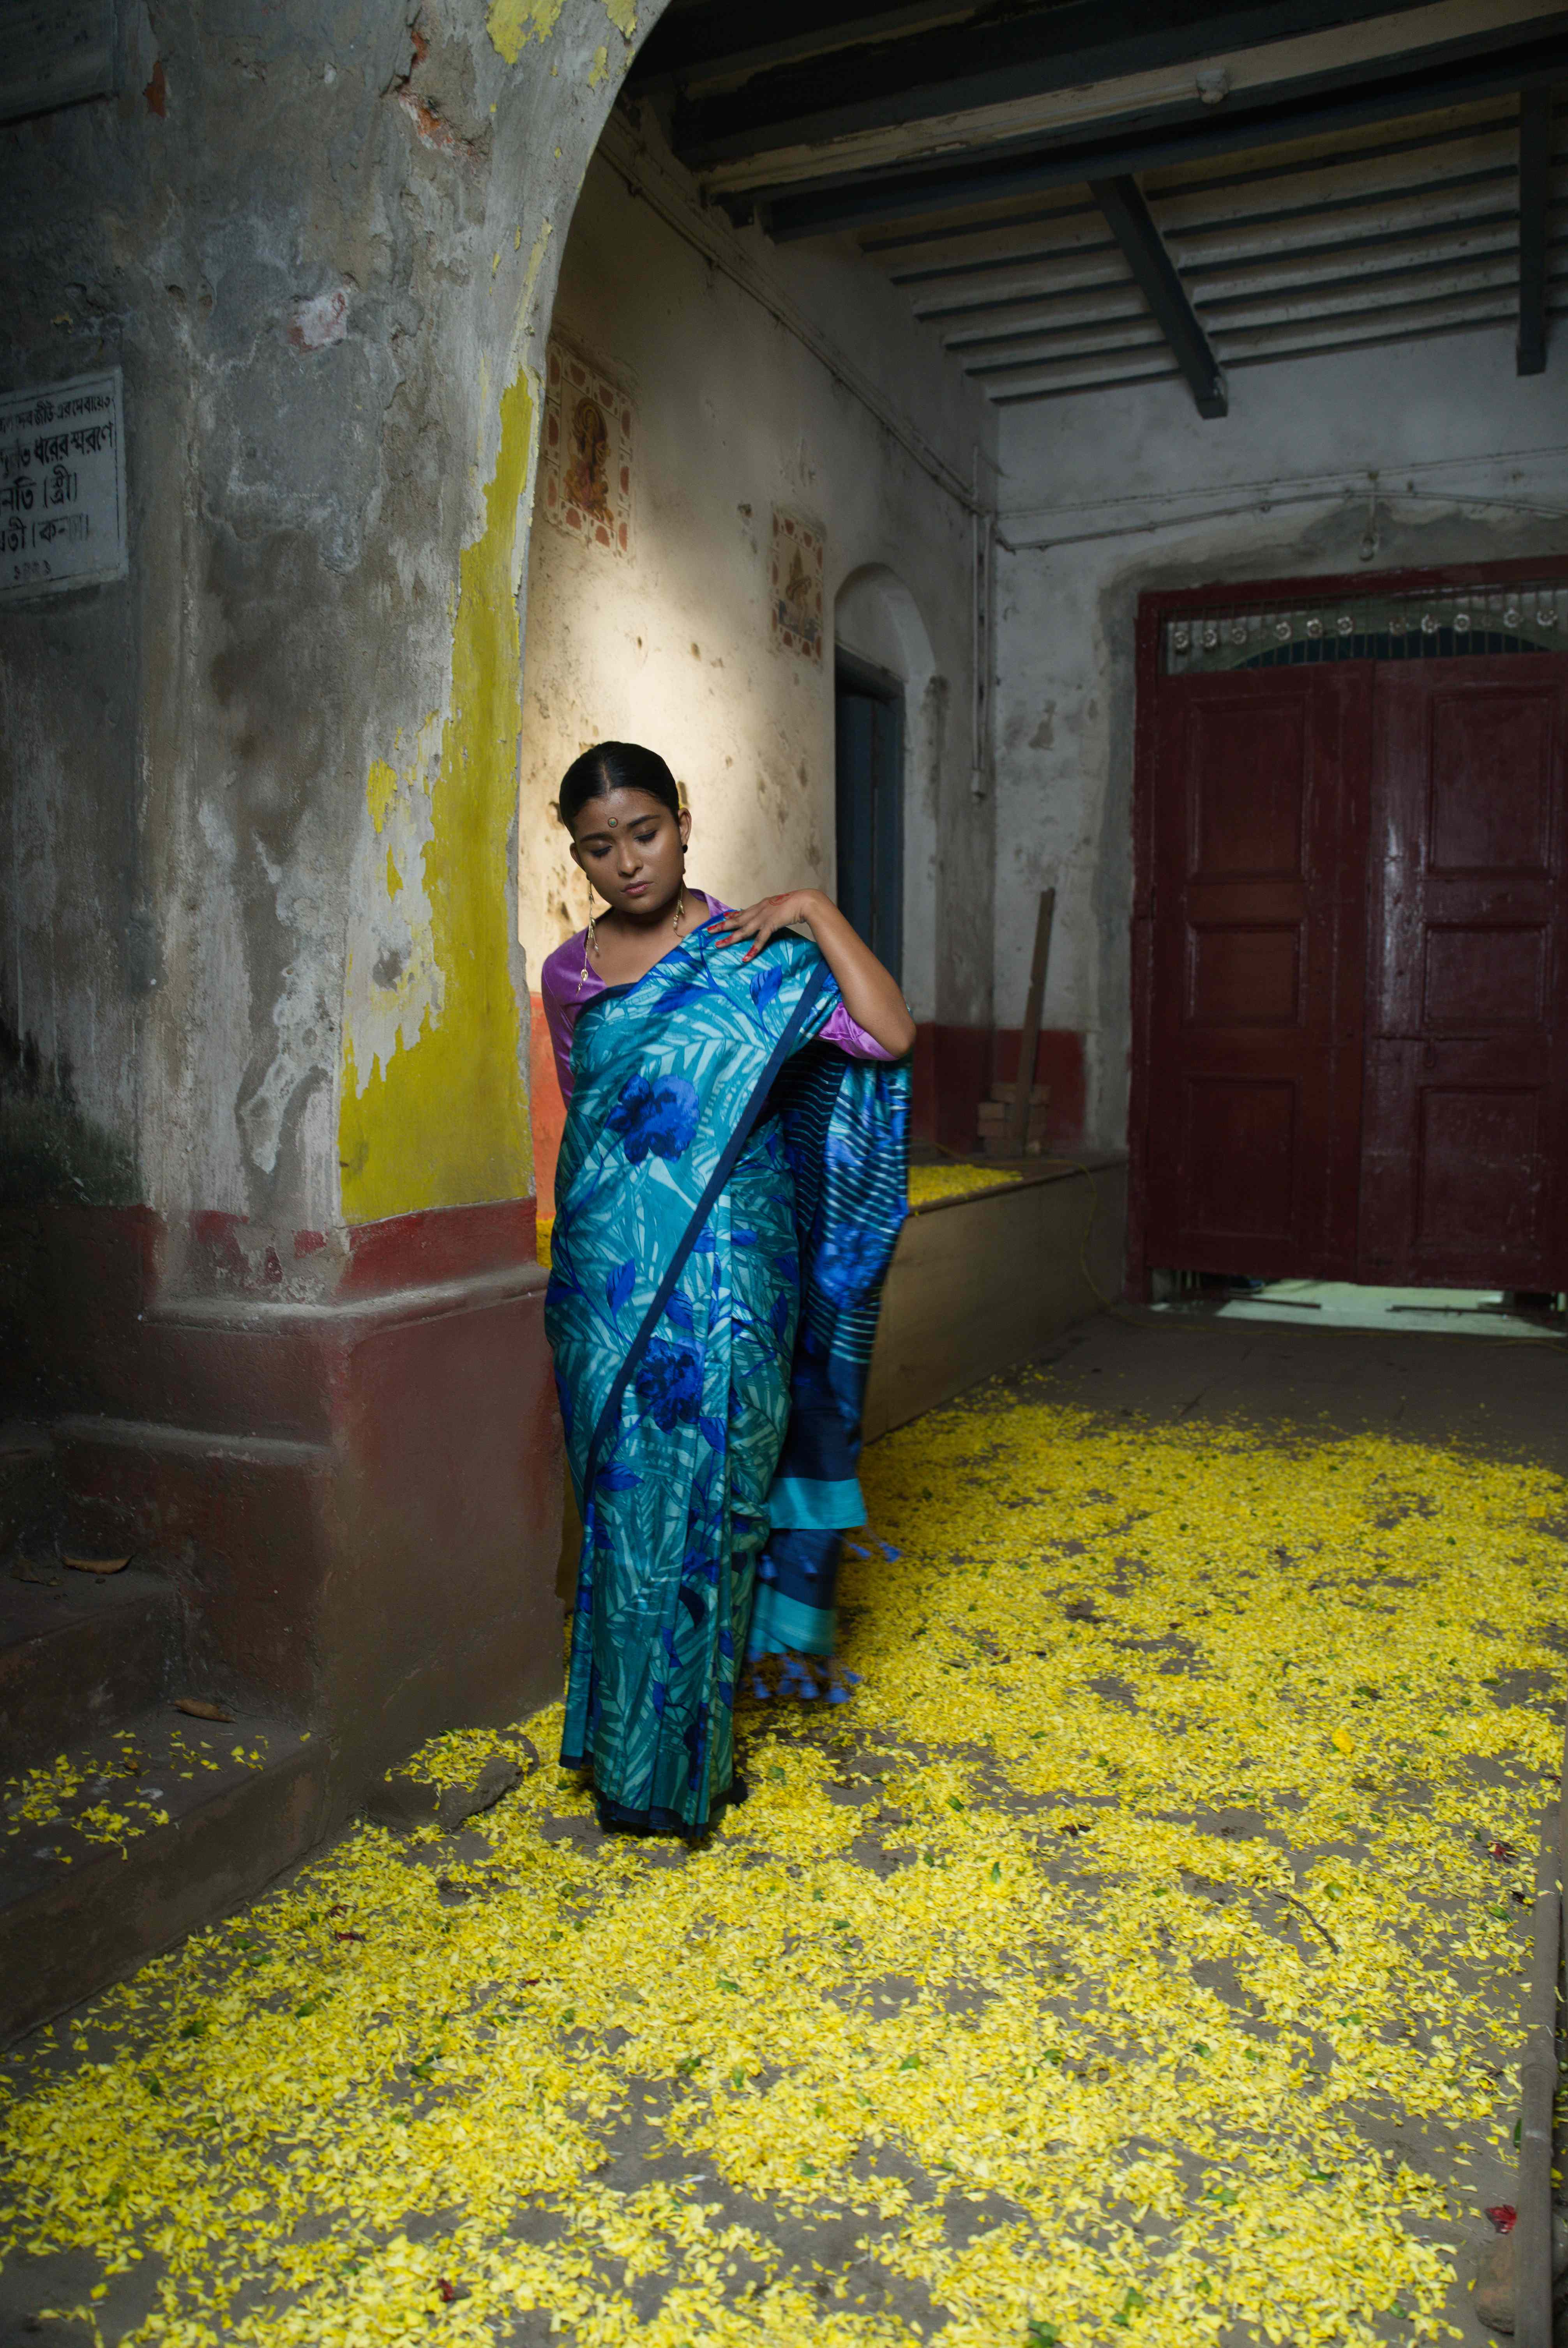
{"x": 1471, "y": 464}
{"x": 670, "y": 643}
{"x": 68, "y": 879}
{"x": 258, "y": 800}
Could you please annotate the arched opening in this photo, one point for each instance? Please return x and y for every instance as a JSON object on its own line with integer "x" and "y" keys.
{"x": 889, "y": 706}
{"x": 707, "y": 490}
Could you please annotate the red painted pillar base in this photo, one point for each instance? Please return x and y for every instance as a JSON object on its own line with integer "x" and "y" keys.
{"x": 342, "y": 1449}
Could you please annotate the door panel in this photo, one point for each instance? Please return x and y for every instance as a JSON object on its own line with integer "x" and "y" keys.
{"x": 1466, "y": 1111}
{"x": 1240, "y": 977}
{"x": 1470, "y": 1143}
{"x": 1246, "y": 772}
{"x": 1239, "y": 1151}
{"x": 1255, "y": 1081}
{"x": 1490, "y": 769}
{"x": 854, "y": 724}
{"x": 887, "y": 753}
{"x": 1482, "y": 978}
{"x": 869, "y": 769}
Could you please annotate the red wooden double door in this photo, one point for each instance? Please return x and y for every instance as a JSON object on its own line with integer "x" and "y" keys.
{"x": 1357, "y": 1059}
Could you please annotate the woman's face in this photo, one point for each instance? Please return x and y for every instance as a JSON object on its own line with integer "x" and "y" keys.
{"x": 633, "y": 850}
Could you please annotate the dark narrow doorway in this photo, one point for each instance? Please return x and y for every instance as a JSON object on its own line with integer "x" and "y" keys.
{"x": 868, "y": 758}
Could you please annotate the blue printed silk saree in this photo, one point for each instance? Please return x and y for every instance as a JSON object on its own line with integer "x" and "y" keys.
{"x": 727, "y": 1202}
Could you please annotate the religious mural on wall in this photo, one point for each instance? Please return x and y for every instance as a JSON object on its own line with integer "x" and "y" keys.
{"x": 795, "y": 601}
{"x": 585, "y": 462}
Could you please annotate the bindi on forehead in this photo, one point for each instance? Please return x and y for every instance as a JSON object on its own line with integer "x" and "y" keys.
{"x": 591, "y": 819}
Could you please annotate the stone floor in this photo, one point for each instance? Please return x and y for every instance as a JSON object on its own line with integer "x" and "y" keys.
{"x": 1511, "y": 1396}
{"x": 1135, "y": 1959}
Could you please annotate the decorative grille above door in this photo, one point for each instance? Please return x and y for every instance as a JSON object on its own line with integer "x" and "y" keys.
{"x": 1442, "y": 626}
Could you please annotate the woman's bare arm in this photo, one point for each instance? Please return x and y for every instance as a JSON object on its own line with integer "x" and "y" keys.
{"x": 871, "y": 994}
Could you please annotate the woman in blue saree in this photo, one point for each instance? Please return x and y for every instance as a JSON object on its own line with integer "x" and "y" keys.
{"x": 731, "y": 1185}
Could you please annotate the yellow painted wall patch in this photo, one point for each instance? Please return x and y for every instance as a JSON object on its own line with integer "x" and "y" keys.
{"x": 444, "y": 1121}
{"x": 511, "y": 23}
{"x": 380, "y": 790}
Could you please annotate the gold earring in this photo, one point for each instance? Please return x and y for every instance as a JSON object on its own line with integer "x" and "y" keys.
{"x": 679, "y": 911}
{"x": 592, "y": 931}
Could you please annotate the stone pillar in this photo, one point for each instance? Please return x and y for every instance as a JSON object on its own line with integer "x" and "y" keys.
{"x": 265, "y": 1168}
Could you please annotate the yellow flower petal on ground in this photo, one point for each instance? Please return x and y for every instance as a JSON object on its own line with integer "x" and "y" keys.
{"x": 1101, "y": 1965}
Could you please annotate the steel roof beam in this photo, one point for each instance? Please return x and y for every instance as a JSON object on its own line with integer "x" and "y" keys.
{"x": 1395, "y": 215}
{"x": 1534, "y": 221}
{"x": 732, "y": 36}
{"x": 1002, "y": 53}
{"x": 1132, "y": 224}
{"x": 1024, "y": 167}
{"x": 1379, "y": 275}
{"x": 1018, "y": 360}
{"x": 1244, "y": 338}
{"x": 1227, "y": 183}
{"x": 1448, "y": 246}
{"x": 1379, "y": 339}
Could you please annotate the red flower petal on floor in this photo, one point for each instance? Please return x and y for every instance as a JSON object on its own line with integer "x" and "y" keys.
{"x": 446, "y": 2290}
{"x": 1502, "y": 2215}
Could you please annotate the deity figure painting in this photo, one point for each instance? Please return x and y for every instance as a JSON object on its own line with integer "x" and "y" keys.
{"x": 797, "y": 594}
{"x": 587, "y": 481}
{"x": 796, "y": 583}
{"x": 585, "y": 463}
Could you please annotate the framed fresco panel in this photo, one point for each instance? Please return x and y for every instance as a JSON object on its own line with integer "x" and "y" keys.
{"x": 585, "y": 462}
{"x": 795, "y": 585}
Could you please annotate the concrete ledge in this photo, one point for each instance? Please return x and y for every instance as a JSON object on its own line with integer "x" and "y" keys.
{"x": 79, "y": 1651}
{"x": 980, "y": 1283}
{"x": 65, "y": 1930}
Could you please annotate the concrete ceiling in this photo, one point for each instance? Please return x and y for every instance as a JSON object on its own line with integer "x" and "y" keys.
{"x": 1080, "y": 193}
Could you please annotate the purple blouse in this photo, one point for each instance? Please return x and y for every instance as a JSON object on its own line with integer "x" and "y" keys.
{"x": 568, "y": 980}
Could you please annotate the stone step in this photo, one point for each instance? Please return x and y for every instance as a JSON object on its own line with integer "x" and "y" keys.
{"x": 27, "y": 1489}
{"x": 136, "y": 1835}
{"x": 78, "y": 1652}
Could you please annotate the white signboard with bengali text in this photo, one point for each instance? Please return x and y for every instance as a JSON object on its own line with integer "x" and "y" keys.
{"x": 62, "y": 486}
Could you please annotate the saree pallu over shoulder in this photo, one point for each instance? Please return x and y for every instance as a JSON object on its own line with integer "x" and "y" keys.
{"x": 845, "y": 1125}
{"x": 672, "y": 1311}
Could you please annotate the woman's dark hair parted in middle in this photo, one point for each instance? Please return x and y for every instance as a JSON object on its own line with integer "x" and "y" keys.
{"x": 616, "y": 767}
